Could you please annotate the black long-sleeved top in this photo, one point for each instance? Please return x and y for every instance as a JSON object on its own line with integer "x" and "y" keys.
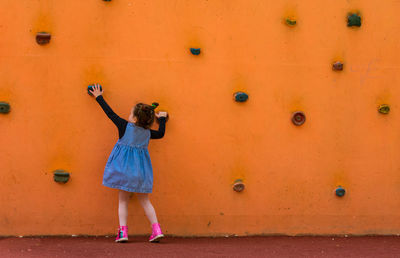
{"x": 122, "y": 123}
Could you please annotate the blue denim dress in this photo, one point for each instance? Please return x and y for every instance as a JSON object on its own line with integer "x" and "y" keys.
{"x": 129, "y": 166}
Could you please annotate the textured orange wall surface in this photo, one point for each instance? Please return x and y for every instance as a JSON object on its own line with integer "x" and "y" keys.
{"x": 139, "y": 51}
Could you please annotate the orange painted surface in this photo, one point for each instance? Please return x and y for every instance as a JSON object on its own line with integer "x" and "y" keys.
{"x": 139, "y": 51}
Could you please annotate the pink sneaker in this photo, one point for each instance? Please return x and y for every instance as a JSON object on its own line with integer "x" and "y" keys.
{"x": 157, "y": 234}
{"x": 122, "y": 234}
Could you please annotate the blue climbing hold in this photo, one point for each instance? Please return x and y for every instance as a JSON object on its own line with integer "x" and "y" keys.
{"x": 340, "y": 191}
{"x": 90, "y": 87}
{"x": 195, "y": 51}
{"x": 241, "y": 96}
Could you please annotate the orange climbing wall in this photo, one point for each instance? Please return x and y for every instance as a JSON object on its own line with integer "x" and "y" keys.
{"x": 139, "y": 51}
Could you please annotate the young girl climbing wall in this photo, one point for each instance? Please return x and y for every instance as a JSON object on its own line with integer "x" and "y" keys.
{"x": 129, "y": 167}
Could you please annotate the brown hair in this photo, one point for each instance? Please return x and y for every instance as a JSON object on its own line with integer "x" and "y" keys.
{"x": 144, "y": 114}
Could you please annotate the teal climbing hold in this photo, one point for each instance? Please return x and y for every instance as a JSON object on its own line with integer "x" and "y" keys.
{"x": 195, "y": 51}
{"x": 90, "y": 87}
{"x": 4, "y": 107}
{"x": 241, "y": 96}
{"x": 340, "y": 192}
{"x": 353, "y": 20}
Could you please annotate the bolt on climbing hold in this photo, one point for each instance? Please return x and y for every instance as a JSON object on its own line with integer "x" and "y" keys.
{"x": 43, "y": 38}
{"x": 195, "y": 51}
{"x": 61, "y": 176}
{"x": 4, "y": 107}
{"x": 384, "y": 109}
{"x": 290, "y": 22}
{"x": 238, "y": 185}
{"x": 340, "y": 192}
{"x": 240, "y": 96}
{"x": 90, "y": 87}
{"x": 298, "y": 118}
{"x": 338, "y": 66}
{"x": 353, "y": 20}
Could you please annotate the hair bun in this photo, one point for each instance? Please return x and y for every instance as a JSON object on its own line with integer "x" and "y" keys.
{"x": 154, "y": 105}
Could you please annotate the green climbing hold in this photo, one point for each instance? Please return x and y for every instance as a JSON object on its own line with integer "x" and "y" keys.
{"x": 353, "y": 20}
{"x": 61, "y": 176}
{"x": 384, "y": 109}
{"x": 291, "y": 22}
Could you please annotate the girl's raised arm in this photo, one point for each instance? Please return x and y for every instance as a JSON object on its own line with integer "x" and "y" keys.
{"x": 118, "y": 121}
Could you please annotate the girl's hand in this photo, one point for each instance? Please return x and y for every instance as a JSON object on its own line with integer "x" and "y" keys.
{"x": 161, "y": 114}
{"x": 96, "y": 90}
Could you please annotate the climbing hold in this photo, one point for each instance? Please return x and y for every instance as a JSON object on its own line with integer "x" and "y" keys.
{"x": 384, "y": 109}
{"x": 240, "y": 96}
{"x": 107, "y": 0}
{"x": 195, "y": 51}
{"x": 238, "y": 185}
{"x": 43, "y": 38}
{"x": 61, "y": 176}
{"x": 340, "y": 191}
{"x": 353, "y": 20}
{"x": 338, "y": 66}
{"x": 291, "y": 22}
{"x": 90, "y": 87}
{"x": 298, "y": 118}
{"x": 4, "y": 107}
{"x": 166, "y": 120}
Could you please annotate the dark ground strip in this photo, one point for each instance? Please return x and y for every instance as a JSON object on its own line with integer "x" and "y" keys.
{"x": 274, "y": 246}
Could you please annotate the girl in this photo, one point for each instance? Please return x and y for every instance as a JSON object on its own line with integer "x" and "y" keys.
{"x": 129, "y": 167}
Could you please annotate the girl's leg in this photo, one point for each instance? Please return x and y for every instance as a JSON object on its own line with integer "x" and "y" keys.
{"x": 148, "y": 207}
{"x": 123, "y": 207}
{"x": 151, "y": 215}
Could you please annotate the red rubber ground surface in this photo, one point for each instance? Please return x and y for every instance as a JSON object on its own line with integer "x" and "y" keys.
{"x": 202, "y": 247}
